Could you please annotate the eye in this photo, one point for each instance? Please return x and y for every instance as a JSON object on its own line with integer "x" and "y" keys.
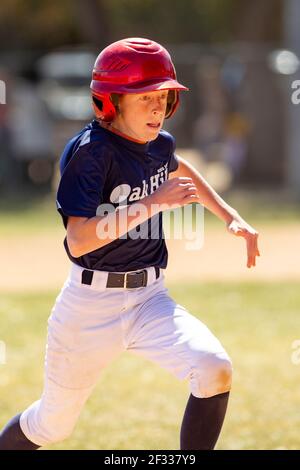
{"x": 145, "y": 97}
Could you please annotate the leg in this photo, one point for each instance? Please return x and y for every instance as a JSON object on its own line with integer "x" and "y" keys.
{"x": 12, "y": 437}
{"x": 202, "y": 422}
{"x": 81, "y": 342}
{"x": 167, "y": 334}
{"x": 48, "y": 420}
{"x": 52, "y": 418}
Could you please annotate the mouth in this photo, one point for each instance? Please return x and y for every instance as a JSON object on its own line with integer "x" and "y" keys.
{"x": 153, "y": 126}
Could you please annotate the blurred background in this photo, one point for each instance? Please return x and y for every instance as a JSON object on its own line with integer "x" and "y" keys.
{"x": 237, "y": 125}
{"x": 239, "y": 59}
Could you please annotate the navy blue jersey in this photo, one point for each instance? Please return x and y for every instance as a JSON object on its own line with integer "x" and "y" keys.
{"x": 101, "y": 167}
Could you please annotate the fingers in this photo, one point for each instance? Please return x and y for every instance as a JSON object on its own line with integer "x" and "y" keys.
{"x": 183, "y": 179}
{"x": 252, "y": 250}
{"x": 178, "y": 192}
{"x": 189, "y": 192}
{"x": 250, "y": 236}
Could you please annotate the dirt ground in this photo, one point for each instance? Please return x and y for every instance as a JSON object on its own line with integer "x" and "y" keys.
{"x": 40, "y": 263}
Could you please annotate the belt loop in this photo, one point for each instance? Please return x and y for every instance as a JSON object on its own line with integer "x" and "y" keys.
{"x": 87, "y": 277}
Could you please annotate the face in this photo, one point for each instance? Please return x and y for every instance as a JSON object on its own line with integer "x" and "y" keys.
{"x": 141, "y": 116}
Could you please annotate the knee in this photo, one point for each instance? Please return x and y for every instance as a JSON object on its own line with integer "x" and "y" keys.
{"x": 212, "y": 376}
{"x": 223, "y": 372}
{"x": 46, "y": 428}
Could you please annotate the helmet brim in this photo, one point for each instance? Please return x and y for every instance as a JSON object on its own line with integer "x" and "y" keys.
{"x": 140, "y": 87}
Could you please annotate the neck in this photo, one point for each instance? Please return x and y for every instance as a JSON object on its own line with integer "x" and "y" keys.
{"x": 115, "y": 130}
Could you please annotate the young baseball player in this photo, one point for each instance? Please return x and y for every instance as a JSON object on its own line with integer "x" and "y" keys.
{"x": 114, "y": 298}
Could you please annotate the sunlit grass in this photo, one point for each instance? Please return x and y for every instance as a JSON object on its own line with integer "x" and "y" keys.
{"x": 136, "y": 405}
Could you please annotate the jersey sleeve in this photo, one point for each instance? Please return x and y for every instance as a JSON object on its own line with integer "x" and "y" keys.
{"x": 173, "y": 161}
{"x": 80, "y": 190}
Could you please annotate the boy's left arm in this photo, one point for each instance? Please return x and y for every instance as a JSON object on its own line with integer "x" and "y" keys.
{"x": 210, "y": 199}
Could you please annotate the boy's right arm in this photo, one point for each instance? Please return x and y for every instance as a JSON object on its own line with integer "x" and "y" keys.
{"x": 88, "y": 234}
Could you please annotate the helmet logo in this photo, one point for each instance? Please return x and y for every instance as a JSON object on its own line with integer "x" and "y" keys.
{"x": 117, "y": 64}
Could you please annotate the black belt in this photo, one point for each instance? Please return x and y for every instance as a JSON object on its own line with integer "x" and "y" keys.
{"x": 129, "y": 280}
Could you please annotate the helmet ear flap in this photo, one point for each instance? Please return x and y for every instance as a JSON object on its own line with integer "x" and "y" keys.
{"x": 172, "y": 103}
{"x": 104, "y": 108}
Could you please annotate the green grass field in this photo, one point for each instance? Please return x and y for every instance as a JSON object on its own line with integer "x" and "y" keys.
{"x": 136, "y": 405}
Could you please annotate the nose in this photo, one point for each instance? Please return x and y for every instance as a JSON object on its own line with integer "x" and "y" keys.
{"x": 158, "y": 106}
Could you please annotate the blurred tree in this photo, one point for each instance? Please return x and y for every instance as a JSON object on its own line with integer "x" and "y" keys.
{"x": 44, "y": 24}
{"x": 173, "y": 21}
{"x": 36, "y": 24}
{"x": 257, "y": 20}
{"x": 93, "y": 19}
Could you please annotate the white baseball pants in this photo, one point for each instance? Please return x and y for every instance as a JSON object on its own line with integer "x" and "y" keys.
{"x": 89, "y": 326}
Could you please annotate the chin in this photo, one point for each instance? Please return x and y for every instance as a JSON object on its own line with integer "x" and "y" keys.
{"x": 152, "y": 135}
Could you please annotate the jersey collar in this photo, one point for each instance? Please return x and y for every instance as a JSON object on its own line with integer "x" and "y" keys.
{"x": 129, "y": 142}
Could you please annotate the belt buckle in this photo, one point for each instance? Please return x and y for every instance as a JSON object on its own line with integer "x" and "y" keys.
{"x": 145, "y": 277}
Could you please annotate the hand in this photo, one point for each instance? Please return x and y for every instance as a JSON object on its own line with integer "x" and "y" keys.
{"x": 240, "y": 228}
{"x": 176, "y": 192}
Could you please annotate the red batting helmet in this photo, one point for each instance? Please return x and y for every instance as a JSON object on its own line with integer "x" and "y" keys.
{"x": 133, "y": 65}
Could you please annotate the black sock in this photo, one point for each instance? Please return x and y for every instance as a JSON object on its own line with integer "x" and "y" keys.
{"x": 202, "y": 422}
{"x": 13, "y": 438}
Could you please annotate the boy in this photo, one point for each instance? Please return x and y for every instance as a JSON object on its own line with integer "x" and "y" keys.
{"x": 114, "y": 298}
